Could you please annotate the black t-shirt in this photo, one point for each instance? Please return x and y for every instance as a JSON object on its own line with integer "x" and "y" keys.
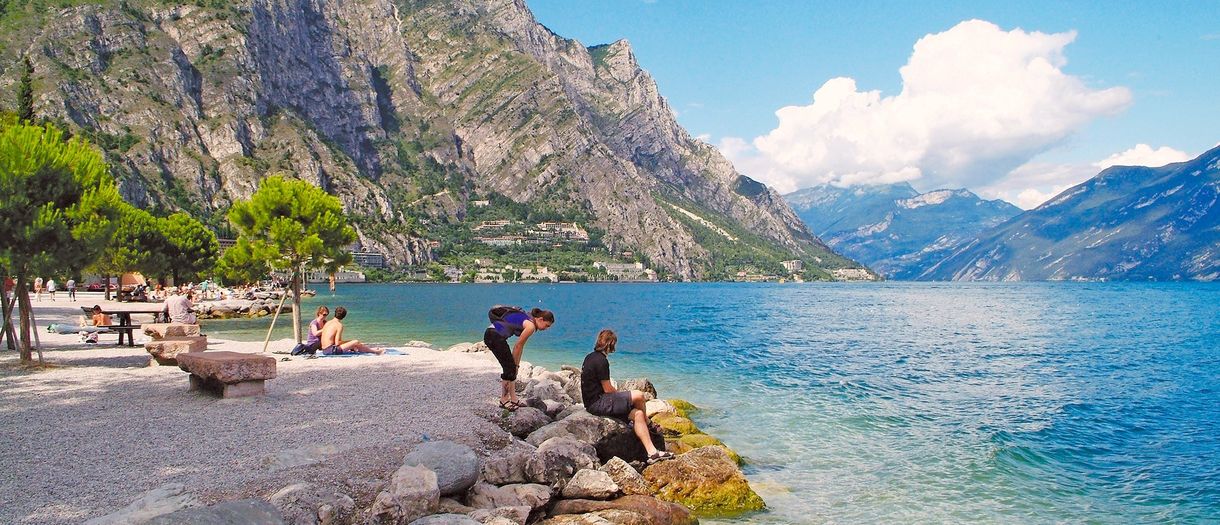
{"x": 595, "y": 370}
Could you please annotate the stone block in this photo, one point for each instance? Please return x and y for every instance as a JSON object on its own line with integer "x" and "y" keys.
{"x": 165, "y": 351}
{"x": 164, "y": 330}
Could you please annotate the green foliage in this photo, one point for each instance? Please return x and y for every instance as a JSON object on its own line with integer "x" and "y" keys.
{"x": 58, "y": 205}
{"x": 25, "y": 91}
{"x": 191, "y": 247}
{"x": 136, "y": 245}
{"x": 240, "y": 265}
{"x": 290, "y": 223}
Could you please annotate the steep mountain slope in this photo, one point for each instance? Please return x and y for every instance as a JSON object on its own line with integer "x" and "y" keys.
{"x": 407, "y": 111}
{"x": 894, "y": 229}
{"x": 1131, "y": 223}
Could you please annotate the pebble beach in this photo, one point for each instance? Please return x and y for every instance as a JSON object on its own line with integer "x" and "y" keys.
{"x": 97, "y": 427}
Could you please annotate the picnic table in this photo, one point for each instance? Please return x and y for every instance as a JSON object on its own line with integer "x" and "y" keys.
{"x": 123, "y": 313}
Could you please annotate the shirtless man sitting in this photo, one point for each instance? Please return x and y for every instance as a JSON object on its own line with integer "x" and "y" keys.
{"x": 332, "y": 338}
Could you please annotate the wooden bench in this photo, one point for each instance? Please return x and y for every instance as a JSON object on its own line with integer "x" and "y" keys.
{"x": 228, "y": 374}
{"x": 122, "y": 329}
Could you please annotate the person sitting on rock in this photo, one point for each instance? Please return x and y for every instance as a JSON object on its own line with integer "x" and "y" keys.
{"x": 332, "y": 338}
{"x": 602, "y": 399}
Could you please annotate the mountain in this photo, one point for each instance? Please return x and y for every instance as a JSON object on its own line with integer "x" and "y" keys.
{"x": 407, "y": 110}
{"x": 894, "y": 229}
{"x": 1127, "y": 223}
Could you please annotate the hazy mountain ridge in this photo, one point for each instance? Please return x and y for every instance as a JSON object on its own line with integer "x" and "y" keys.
{"x": 1126, "y": 223}
{"x": 404, "y": 110}
{"x": 893, "y": 228}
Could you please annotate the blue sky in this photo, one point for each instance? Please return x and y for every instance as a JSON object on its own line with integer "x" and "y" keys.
{"x": 1121, "y": 74}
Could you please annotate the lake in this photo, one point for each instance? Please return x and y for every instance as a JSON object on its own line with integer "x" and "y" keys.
{"x": 893, "y": 402}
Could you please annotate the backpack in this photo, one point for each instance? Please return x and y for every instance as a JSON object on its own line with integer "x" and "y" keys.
{"x": 500, "y": 311}
{"x": 498, "y": 314}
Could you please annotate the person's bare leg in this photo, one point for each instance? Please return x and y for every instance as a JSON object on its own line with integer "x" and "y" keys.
{"x": 641, "y": 430}
{"x": 357, "y": 346}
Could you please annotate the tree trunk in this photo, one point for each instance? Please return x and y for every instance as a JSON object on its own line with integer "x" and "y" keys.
{"x": 9, "y": 334}
{"x": 296, "y": 305}
{"x": 23, "y": 300}
{"x": 106, "y": 286}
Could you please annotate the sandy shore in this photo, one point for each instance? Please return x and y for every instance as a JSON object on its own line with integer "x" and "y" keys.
{"x": 98, "y": 428}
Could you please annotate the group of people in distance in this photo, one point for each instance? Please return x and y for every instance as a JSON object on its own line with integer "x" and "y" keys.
{"x": 39, "y": 286}
{"x": 327, "y": 336}
{"x": 598, "y": 393}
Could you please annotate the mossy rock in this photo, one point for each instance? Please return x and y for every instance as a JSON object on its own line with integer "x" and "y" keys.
{"x": 705, "y": 480}
{"x": 685, "y": 408}
{"x": 675, "y": 425}
{"x": 694, "y": 441}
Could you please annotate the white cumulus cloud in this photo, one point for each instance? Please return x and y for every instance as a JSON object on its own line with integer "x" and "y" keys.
{"x": 1034, "y": 183}
{"x": 1144, "y": 155}
{"x": 976, "y": 102}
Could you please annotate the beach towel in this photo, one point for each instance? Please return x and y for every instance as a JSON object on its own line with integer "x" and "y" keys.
{"x": 59, "y": 328}
{"x": 388, "y": 351}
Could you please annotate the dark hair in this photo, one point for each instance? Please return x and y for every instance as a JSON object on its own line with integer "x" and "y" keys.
{"x": 606, "y": 339}
{"x": 340, "y": 313}
{"x": 97, "y": 308}
{"x": 322, "y": 310}
{"x": 545, "y": 315}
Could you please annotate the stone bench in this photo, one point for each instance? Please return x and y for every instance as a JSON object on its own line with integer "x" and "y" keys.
{"x": 171, "y": 339}
{"x": 228, "y": 374}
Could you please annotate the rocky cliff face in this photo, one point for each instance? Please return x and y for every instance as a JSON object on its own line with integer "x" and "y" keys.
{"x": 1127, "y": 223}
{"x": 405, "y": 110}
{"x": 894, "y": 229}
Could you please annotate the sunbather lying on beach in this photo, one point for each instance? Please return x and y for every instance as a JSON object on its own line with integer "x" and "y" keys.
{"x": 332, "y": 338}
{"x": 602, "y": 399}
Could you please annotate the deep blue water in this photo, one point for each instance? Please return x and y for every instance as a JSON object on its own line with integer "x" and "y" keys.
{"x": 896, "y": 402}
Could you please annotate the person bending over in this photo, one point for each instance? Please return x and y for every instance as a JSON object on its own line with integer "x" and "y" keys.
{"x": 507, "y": 322}
{"x": 602, "y": 399}
{"x": 332, "y": 338}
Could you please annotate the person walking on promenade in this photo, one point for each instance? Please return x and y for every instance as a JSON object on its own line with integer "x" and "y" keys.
{"x": 51, "y": 288}
{"x": 38, "y": 288}
{"x": 71, "y": 286}
{"x": 509, "y": 321}
{"x": 602, "y": 399}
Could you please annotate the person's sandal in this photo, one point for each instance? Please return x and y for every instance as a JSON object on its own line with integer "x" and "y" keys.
{"x": 660, "y": 456}
{"x": 509, "y": 406}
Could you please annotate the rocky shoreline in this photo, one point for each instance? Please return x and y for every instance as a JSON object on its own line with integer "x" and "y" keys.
{"x": 554, "y": 464}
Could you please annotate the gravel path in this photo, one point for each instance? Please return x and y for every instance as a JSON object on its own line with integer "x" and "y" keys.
{"x": 89, "y": 435}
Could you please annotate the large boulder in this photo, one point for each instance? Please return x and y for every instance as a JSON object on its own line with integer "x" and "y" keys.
{"x": 469, "y": 347}
{"x": 545, "y": 388}
{"x": 571, "y": 410}
{"x": 706, "y": 480}
{"x": 489, "y": 497}
{"x": 164, "y": 330}
{"x": 456, "y": 465}
{"x": 657, "y": 512}
{"x": 572, "y": 388}
{"x": 156, "y": 502}
{"x": 507, "y": 465}
{"x": 522, "y": 421}
{"x": 309, "y": 504}
{"x": 411, "y": 494}
{"x": 246, "y": 512}
{"x": 552, "y": 408}
{"x": 518, "y": 515}
{"x": 653, "y": 407}
{"x": 558, "y": 459}
{"x": 446, "y": 519}
{"x": 591, "y": 484}
{"x": 626, "y": 477}
{"x": 601, "y": 517}
{"x": 610, "y": 437}
{"x": 675, "y": 425}
{"x": 641, "y": 384}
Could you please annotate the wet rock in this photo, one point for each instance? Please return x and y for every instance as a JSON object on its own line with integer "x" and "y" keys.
{"x": 705, "y": 480}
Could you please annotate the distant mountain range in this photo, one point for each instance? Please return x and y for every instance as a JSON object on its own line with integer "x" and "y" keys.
{"x": 894, "y": 229}
{"x": 1127, "y": 223}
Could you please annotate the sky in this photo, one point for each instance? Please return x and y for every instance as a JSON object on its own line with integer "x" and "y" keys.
{"x": 1012, "y": 100}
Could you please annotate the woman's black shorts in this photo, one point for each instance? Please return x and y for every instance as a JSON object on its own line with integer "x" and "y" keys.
{"x": 499, "y": 348}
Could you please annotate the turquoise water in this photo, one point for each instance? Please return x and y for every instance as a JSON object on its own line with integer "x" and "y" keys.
{"x": 896, "y": 402}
